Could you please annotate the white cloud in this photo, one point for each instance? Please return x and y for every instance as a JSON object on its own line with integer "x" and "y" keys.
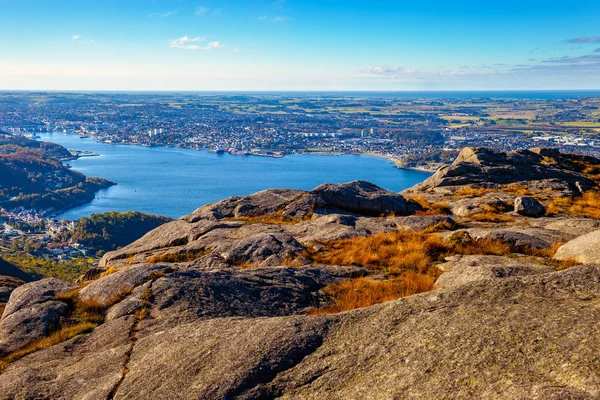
{"x": 213, "y": 45}
{"x": 189, "y": 43}
{"x": 202, "y": 11}
{"x": 79, "y": 39}
{"x": 164, "y": 15}
{"x": 275, "y": 20}
{"x": 389, "y": 70}
{"x": 186, "y": 42}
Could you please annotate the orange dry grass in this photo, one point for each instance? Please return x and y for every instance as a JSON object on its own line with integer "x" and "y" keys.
{"x": 364, "y": 292}
{"x": 422, "y": 200}
{"x": 442, "y": 208}
{"x": 85, "y": 315}
{"x": 393, "y": 252}
{"x": 593, "y": 171}
{"x": 566, "y": 264}
{"x": 484, "y": 246}
{"x": 59, "y": 336}
{"x": 270, "y": 219}
{"x": 587, "y": 205}
{"x": 110, "y": 270}
{"x": 545, "y": 253}
{"x": 519, "y": 190}
{"x": 398, "y": 252}
{"x": 490, "y": 217}
{"x": 471, "y": 192}
{"x": 1, "y": 311}
{"x": 558, "y": 205}
{"x": 177, "y": 257}
{"x": 491, "y": 214}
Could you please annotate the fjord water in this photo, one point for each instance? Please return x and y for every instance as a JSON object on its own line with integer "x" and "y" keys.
{"x": 174, "y": 182}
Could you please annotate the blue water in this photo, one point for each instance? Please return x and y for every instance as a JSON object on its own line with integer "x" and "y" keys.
{"x": 174, "y": 182}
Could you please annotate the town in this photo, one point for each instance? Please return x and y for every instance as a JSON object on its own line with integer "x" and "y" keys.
{"x": 273, "y": 125}
{"x": 278, "y": 124}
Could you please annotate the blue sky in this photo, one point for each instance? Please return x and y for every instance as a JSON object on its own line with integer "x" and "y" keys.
{"x": 299, "y": 45}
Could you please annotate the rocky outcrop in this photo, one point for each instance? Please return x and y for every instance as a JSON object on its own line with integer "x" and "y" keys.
{"x": 219, "y": 304}
{"x": 228, "y": 231}
{"x": 478, "y": 166}
{"x": 268, "y": 249}
{"x": 363, "y": 198}
{"x": 31, "y": 312}
{"x": 394, "y": 350}
{"x": 461, "y": 270}
{"x": 261, "y": 203}
{"x": 584, "y": 249}
{"x": 115, "y": 285}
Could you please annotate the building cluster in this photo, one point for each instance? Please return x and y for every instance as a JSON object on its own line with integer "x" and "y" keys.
{"x": 321, "y": 124}
{"x": 19, "y": 228}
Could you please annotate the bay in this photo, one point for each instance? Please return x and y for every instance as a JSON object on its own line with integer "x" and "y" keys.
{"x": 174, "y": 182}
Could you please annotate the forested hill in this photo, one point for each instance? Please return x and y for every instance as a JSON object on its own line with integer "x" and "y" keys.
{"x": 32, "y": 176}
{"x": 13, "y": 144}
{"x": 109, "y": 231}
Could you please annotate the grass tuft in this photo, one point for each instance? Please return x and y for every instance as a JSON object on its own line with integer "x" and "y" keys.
{"x": 587, "y": 205}
{"x": 61, "y": 335}
{"x": 364, "y": 292}
{"x": 518, "y": 190}
{"x": 177, "y": 257}
{"x": 471, "y": 192}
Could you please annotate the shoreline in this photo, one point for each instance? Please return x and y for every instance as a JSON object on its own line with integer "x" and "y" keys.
{"x": 398, "y": 163}
{"x": 395, "y": 160}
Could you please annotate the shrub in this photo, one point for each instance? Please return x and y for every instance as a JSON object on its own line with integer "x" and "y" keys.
{"x": 364, "y": 292}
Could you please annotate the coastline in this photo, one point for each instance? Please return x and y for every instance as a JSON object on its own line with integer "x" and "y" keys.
{"x": 395, "y": 160}
{"x": 398, "y": 163}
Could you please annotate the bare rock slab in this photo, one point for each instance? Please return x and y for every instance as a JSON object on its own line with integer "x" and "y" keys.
{"x": 585, "y": 249}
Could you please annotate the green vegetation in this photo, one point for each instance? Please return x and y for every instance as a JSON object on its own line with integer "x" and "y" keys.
{"x": 423, "y": 160}
{"x": 32, "y": 176}
{"x": 109, "y": 231}
{"x": 15, "y": 144}
{"x": 43, "y": 267}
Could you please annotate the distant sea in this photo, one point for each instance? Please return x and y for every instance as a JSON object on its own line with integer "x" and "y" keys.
{"x": 470, "y": 94}
{"x": 174, "y": 182}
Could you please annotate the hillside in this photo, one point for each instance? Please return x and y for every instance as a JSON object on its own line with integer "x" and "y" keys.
{"x": 109, "y": 231}
{"x": 481, "y": 282}
{"x": 32, "y": 176}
